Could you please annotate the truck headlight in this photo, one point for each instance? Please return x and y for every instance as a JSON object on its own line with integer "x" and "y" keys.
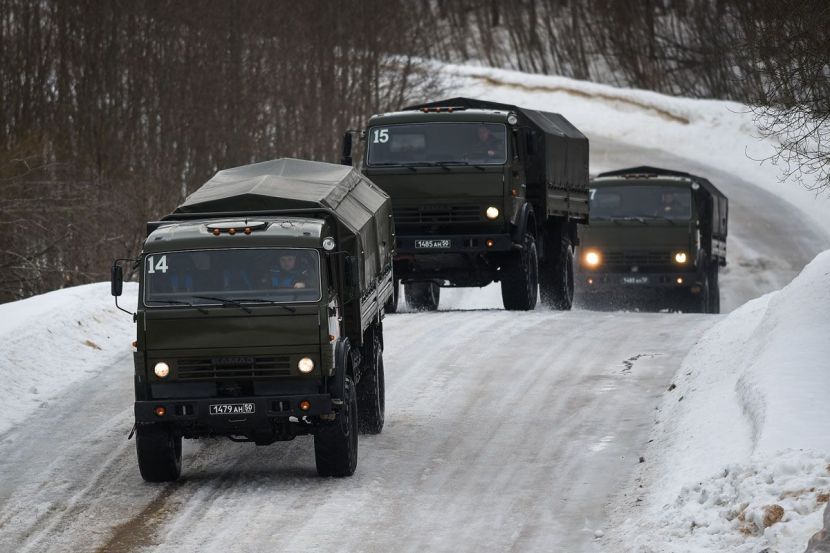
{"x": 306, "y": 365}
{"x": 592, "y": 258}
{"x": 161, "y": 369}
{"x": 492, "y": 213}
{"x": 681, "y": 257}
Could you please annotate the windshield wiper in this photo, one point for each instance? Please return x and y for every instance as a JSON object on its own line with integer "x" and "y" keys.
{"x": 225, "y": 302}
{"x": 634, "y": 218}
{"x": 272, "y": 302}
{"x": 177, "y": 302}
{"x": 662, "y": 218}
{"x": 462, "y": 163}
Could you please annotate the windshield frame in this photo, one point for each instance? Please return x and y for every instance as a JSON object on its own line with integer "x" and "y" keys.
{"x": 438, "y": 163}
{"x": 195, "y": 304}
{"x": 660, "y": 188}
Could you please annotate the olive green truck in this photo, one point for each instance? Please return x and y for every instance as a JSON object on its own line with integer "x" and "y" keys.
{"x": 657, "y": 238}
{"x": 260, "y": 314}
{"x": 481, "y": 192}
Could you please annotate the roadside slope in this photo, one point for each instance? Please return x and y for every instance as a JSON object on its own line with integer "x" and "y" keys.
{"x": 740, "y": 457}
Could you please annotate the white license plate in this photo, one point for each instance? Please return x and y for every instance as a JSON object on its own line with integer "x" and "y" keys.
{"x": 232, "y": 409}
{"x": 432, "y": 244}
{"x": 642, "y": 279}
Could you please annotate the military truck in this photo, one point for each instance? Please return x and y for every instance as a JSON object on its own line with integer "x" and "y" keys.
{"x": 657, "y": 236}
{"x": 260, "y": 314}
{"x": 481, "y": 192}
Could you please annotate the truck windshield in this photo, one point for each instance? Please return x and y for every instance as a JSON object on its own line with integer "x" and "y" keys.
{"x": 209, "y": 277}
{"x": 438, "y": 143}
{"x": 647, "y": 201}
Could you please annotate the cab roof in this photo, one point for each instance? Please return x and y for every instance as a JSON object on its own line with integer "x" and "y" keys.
{"x": 636, "y": 175}
{"x": 275, "y": 232}
{"x": 448, "y": 114}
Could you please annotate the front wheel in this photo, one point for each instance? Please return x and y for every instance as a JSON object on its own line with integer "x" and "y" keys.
{"x": 335, "y": 443}
{"x": 714, "y": 290}
{"x": 520, "y": 282}
{"x": 159, "y": 450}
{"x": 422, "y": 296}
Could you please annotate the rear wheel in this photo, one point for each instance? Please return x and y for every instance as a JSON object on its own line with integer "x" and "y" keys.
{"x": 557, "y": 276}
{"x": 159, "y": 450}
{"x": 335, "y": 443}
{"x": 520, "y": 282}
{"x": 371, "y": 400}
{"x": 422, "y": 296}
{"x": 391, "y": 305}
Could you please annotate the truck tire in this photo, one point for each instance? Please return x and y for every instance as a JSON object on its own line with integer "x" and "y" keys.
{"x": 557, "y": 277}
{"x": 700, "y": 303}
{"x": 391, "y": 306}
{"x": 335, "y": 443}
{"x": 371, "y": 397}
{"x": 714, "y": 290}
{"x": 159, "y": 450}
{"x": 422, "y": 296}
{"x": 520, "y": 283}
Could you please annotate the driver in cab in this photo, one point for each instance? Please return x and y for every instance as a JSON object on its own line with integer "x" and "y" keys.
{"x": 288, "y": 273}
{"x": 488, "y": 145}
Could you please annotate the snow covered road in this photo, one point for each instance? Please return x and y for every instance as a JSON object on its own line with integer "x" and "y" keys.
{"x": 504, "y": 431}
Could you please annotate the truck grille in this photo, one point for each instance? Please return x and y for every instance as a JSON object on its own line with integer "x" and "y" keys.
{"x": 638, "y": 258}
{"x": 235, "y": 367}
{"x": 437, "y": 214}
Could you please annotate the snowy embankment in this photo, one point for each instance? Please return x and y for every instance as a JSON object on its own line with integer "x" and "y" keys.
{"x": 52, "y": 341}
{"x": 740, "y": 456}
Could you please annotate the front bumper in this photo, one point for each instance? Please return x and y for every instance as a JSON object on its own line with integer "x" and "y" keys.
{"x": 267, "y": 409}
{"x": 602, "y": 282}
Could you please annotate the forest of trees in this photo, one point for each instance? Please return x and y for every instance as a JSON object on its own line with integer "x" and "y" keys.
{"x": 112, "y": 111}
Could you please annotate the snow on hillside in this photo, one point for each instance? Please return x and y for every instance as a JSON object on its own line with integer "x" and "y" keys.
{"x": 740, "y": 456}
{"x": 54, "y": 340}
{"x": 718, "y": 133}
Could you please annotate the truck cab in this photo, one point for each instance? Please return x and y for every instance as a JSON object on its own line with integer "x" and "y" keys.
{"x": 263, "y": 324}
{"x": 482, "y": 192}
{"x": 657, "y": 237}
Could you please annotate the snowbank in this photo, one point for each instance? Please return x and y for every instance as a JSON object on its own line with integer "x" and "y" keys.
{"x": 52, "y": 341}
{"x": 718, "y": 133}
{"x": 740, "y": 456}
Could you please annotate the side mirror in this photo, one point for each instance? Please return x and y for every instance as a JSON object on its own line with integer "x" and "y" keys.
{"x": 347, "y": 149}
{"x": 117, "y": 280}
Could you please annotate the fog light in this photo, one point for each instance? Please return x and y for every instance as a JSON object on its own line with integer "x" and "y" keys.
{"x": 489, "y": 242}
{"x": 305, "y": 405}
{"x": 680, "y": 280}
{"x": 328, "y": 243}
{"x": 680, "y": 257}
{"x": 306, "y": 365}
{"x": 492, "y": 213}
{"x": 590, "y": 281}
{"x": 160, "y": 411}
{"x": 161, "y": 369}
{"x": 592, "y": 258}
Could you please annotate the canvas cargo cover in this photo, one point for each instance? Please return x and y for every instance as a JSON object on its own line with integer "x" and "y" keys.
{"x": 566, "y": 148}
{"x": 720, "y": 203}
{"x": 363, "y": 211}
